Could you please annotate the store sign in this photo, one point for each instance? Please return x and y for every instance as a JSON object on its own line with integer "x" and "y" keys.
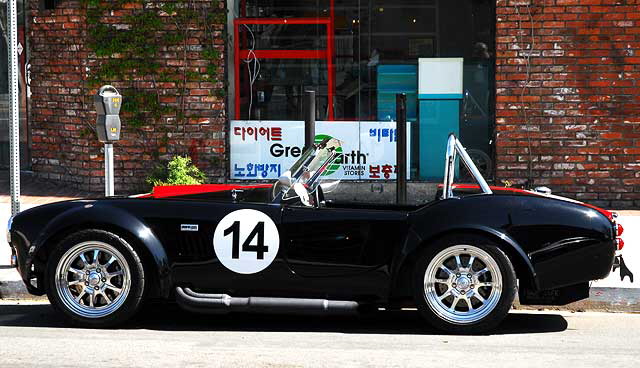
{"x": 266, "y": 149}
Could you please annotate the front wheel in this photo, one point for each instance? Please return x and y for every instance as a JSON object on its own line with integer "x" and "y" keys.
{"x": 464, "y": 284}
{"x": 95, "y": 278}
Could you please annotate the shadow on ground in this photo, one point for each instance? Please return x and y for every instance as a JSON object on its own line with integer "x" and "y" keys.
{"x": 168, "y": 317}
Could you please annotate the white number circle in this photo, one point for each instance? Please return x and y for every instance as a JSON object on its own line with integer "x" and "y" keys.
{"x": 246, "y": 241}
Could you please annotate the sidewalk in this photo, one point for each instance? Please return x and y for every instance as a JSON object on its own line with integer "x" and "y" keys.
{"x": 34, "y": 193}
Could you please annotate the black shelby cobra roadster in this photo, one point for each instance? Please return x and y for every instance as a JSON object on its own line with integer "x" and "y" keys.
{"x": 458, "y": 259}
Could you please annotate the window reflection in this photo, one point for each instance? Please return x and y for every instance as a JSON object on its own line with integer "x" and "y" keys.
{"x": 367, "y": 55}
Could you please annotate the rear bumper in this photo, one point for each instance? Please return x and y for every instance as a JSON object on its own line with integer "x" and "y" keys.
{"x": 576, "y": 262}
{"x": 565, "y": 279}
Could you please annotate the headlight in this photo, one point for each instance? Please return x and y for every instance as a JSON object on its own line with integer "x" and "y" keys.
{"x": 9, "y": 223}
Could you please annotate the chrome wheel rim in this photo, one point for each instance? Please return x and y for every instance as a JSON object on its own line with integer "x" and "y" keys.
{"x": 462, "y": 284}
{"x": 93, "y": 279}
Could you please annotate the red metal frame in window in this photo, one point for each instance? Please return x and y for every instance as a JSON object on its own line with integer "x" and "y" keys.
{"x": 327, "y": 54}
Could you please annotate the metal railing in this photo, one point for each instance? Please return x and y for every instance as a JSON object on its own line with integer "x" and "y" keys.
{"x": 454, "y": 148}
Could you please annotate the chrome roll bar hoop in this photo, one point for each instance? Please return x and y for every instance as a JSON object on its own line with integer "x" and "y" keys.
{"x": 454, "y": 148}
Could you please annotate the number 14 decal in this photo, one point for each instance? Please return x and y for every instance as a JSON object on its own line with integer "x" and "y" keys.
{"x": 242, "y": 233}
{"x": 260, "y": 249}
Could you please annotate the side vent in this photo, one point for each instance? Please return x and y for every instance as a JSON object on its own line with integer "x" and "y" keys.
{"x": 185, "y": 242}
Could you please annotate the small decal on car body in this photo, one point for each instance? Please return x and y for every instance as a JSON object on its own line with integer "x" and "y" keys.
{"x": 188, "y": 227}
{"x": 246, "y": 241}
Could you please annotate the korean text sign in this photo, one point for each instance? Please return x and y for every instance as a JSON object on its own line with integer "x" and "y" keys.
{"x": 263, "y": 150}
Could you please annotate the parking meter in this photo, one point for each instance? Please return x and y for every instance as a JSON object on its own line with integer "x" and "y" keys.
{"x": 108, "y": 102}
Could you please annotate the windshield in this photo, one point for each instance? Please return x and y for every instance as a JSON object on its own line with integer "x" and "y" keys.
{"x": 308, "y": 170}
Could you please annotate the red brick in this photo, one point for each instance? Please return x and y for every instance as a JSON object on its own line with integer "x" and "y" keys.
{"x": 61, "y": 104}
{"x": 582, "y": 94}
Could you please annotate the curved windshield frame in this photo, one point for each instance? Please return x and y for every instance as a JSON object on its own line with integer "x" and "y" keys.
{"x": 309, "y": 168}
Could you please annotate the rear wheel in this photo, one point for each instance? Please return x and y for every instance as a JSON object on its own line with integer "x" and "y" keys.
{"x": 464, "y": 284}
{"x": 95, "y": 279}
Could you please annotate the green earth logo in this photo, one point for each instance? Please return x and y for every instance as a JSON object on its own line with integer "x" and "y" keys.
{"x": 337, "y": 164}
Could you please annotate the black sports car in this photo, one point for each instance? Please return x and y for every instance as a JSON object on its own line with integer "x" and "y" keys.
{"x": 284, "y": 248}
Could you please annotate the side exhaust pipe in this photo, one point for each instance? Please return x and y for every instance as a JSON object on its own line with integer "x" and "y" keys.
{"x": 223, "y": 303}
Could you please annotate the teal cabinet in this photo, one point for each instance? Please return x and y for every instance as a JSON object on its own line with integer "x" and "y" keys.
{"x": 438, "y": 119}
{"x": 440, "y": 93}
{"x": 392, "y": 80}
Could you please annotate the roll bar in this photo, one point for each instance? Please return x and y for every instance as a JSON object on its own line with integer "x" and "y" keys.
{"x": 454, "y": 147}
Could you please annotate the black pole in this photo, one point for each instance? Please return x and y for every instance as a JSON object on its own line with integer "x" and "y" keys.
{"x": 309, "y": 119}
{"x": 401, "y": 148}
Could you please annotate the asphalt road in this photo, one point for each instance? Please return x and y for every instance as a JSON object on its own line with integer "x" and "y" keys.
{"x": 32, "y": 335}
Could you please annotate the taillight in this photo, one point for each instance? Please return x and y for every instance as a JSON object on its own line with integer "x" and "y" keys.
{"x": 619, "y": 229}
{"x": 620, "y": 243}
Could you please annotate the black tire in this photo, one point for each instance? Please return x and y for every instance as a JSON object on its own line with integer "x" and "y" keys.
{"x": 494, "y": 315}
{"x": 129, "y": 304}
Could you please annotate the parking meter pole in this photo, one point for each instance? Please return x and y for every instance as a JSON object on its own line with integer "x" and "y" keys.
{"x": 108, "y": 170}
{"x": 310, "y": 119}
{"x": 401, "y": 148}
{"x": 14, "y": 118}
{"x": 108, "y": 102}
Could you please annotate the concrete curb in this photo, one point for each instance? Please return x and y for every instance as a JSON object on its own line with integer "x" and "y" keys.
{"x": 15, "y": 290}
{"x": 625, "y": 300}
{"x": 12, "y": 287}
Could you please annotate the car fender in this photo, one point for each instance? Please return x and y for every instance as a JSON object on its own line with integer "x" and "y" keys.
{"x": 417, "y": 240}
{"x": 103, "y": 215}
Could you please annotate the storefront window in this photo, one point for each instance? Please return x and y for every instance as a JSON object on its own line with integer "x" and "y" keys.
{"x": 357, "y": 55}
{"x": 278, "y": 88}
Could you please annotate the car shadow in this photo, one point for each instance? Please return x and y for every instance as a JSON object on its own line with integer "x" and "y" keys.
{"x": 169, "y": 317}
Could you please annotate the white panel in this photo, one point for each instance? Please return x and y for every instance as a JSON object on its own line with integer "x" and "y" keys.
{"x": 440, "y": 76}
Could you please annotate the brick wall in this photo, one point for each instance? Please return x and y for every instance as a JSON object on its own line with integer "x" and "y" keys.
{"x": 63, "y": 147}
{"x": 573, "y": 110}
